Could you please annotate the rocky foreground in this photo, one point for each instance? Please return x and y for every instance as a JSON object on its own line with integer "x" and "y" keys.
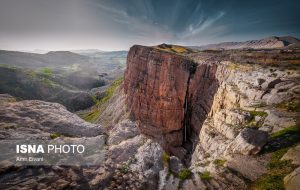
{"x": 183, "y": 119}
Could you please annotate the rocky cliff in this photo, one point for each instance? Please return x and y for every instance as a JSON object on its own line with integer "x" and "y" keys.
{"x": 159, "y": 106}
{"x": 207, "y": 107}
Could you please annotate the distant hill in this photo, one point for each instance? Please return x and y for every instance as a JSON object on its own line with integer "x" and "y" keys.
{"x": 266, "y": 43}
{"x": 87, "y": 52}
{"x": 45, "y": 85}
{"x": 52, "y": 58}
{"x": 59, "y": 76}
{"x": 107, "y": 54}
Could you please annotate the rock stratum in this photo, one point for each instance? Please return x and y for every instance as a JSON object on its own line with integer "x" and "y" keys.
{"x": 182, "y": 119}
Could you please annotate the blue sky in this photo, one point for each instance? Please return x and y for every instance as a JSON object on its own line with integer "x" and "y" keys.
{"x": 118, "y": 24}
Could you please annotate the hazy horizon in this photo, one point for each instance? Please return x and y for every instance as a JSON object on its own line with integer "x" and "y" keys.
{"x": 68, "y": 25}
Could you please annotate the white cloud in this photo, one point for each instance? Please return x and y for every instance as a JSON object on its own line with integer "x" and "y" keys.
{"x": 201, "y": 25}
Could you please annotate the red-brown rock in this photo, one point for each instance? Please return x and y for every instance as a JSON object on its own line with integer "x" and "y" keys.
{"x": 168, "y": 93}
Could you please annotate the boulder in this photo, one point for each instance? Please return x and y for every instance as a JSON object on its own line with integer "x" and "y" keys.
{"x": 149, "y": 163}
{"x": 31, "y": 116}
{"x": 175, "y": 164}
{"x": 292, "y": 181}
{"x": 293, "y": 154}
{"x": 122, "y": 131}
{"x": 249, "y": 141}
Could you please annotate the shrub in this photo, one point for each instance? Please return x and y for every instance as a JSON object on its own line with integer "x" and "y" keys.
{"x": 166, "y": 157}
{"x": 126, "y": 165}
{"x": 219, "y": 162}
{"x": 185, "y": 174}
{"x": 125, "y": 168}
{"x": 47, "y": 71}
{"x": 258, "y": 113}
{"x": 284, "y": 138}
{"x": 47, "y": 82}
{"x": 54, "y": 135}
{"x": 205, "y": 175}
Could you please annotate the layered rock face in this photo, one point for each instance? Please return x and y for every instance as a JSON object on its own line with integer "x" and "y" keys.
{"x": 160, "y": 106}
{"x": 169, "y": 94}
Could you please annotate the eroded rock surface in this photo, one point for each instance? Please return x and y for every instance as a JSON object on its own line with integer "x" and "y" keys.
{"x": 158, "y": 105}
{"x": 37, "y": 119}
{"x": 128, "y": 161}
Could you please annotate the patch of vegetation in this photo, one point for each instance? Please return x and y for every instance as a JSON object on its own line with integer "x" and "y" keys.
{"x": 101, "y": 104}
{"x": 42, "y": 77}
{"x": 47, "y": 82}
{"x": 166, "y": 158}
{"x": 179, "y": 49}
{"x": 174, "y": 48}
{"x": 205, "y": 175}
{"x": 285, "y": 138}
{"x": 185, "y": 174}
{"x": 31, "y": 74}
{"x": 8, "y": 67}
{"x": 258, "y": 113}
{"x": 47, "y": 71}
{"x": 55, "y": 135}
{"x": 279, "y": 143}
{"x": 125, "y": 168}
{"x": 253, "y": 123}
{"x": 277, "y": 170}
{"x": 291, "y": 106}
{"x": 286, "y": 131}
{"x": 92, "y": 115}
{"x": 219, "y": 162}
{"x": 94, "y": 98}
{"x": 110, "y": 91}
{"x": 240, "y": 67}
{"x": 126, "y": 165}
{"x": 270, "y": 182}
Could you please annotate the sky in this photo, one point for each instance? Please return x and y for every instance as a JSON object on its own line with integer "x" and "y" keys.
{"x": 119, "y": 24}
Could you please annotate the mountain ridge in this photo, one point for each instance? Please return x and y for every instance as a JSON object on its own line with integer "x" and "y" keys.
{"x": 265, "y": 43}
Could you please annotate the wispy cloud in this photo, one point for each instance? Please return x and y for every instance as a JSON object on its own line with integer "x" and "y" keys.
{"x": 201, "y": 25}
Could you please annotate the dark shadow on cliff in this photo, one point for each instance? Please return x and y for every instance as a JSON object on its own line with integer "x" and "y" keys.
{"x": 200, "y": 95}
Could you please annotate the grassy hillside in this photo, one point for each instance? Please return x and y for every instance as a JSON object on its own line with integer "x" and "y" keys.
{"x": 74, "y": 80}
{"x": 30, "y": 84}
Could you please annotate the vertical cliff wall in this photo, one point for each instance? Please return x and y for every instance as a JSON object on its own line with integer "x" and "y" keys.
{"x": 169, "y": 94}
